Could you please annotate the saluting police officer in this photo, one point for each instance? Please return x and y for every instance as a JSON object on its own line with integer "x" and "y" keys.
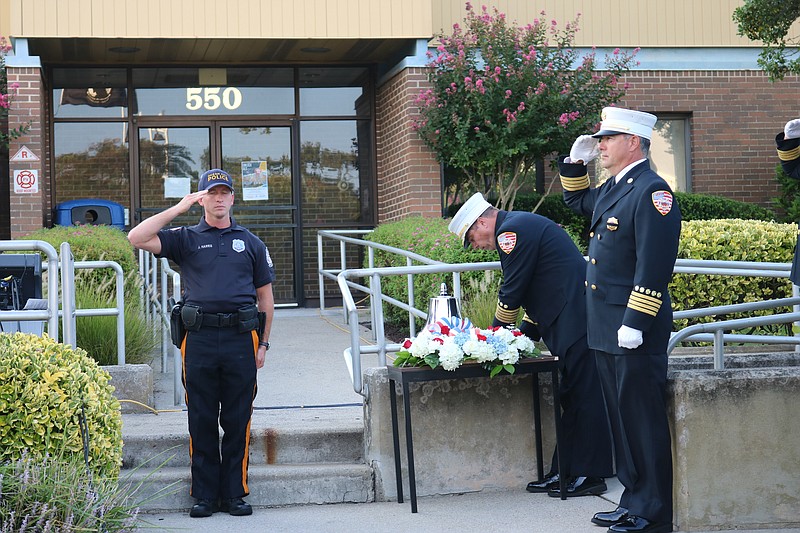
{"x": 634, "y": 233}
{"x": 227, "y": 310}
{"x": 788, "y": 142}
{"x": 543, "y": 273}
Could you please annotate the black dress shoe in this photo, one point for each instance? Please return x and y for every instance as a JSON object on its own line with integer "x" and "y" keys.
{"x": 581, "y": 486}
{"x": 236, "y": 507}
{"x": 202, "y": 509}
{"x": 637, "y": 524}
{"x": 543, "y": 485}
{"x": 620, "y": 514}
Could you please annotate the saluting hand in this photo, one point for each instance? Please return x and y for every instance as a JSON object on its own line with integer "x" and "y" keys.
{"x": 792, "y": 129}
{"x": 189, "y": 200}
{"x": 584, "y": 149}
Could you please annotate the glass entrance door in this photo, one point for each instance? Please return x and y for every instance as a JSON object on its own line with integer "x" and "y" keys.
{"x": 258, "y": 157}
{"x": 260, "y": 161}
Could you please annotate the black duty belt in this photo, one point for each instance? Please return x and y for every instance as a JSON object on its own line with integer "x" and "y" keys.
{"x": 220, "y": 320}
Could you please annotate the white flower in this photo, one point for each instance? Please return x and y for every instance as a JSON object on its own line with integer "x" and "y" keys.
{"x": 481, "y": 351}
{"x": 450, "y": 355}
{"x": 505, "y": 335}
{"x": 524, "y": 344}
{"x": 510, "y": 357}
{"x": 421, "y": 346}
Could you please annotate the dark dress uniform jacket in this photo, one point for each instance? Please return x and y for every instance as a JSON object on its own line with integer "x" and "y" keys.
{"x": 633, "y": 244}
{"x": 542, "y": 273}
{"x": 789, "y": 154}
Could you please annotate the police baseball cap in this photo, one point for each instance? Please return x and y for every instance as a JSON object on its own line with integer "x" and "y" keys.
{"x": 214, "y": 177}
{"x": 467, "y": 215}
{"x": 616, "y": 120}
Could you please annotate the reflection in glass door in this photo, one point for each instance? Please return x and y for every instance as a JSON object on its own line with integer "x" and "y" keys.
{"x": 170, "y": 163}
{"x": 260, "y": 161}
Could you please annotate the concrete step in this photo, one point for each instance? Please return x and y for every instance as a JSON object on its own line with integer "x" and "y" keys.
{"x": 167, "y": 488}
{"x": 268, "y": 446}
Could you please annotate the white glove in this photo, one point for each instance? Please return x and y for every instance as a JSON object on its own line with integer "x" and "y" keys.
{"x": 628, "y": 337}
{"x": 792, "y": 129}
{"x": 585, "y": 148}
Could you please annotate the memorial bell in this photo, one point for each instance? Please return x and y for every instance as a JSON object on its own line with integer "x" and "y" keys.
{"x": 442, "y": 306}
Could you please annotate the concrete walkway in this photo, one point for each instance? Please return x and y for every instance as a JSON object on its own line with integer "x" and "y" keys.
{"x": 304, "y": 379}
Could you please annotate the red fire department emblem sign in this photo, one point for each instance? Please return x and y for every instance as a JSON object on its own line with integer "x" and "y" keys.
{"x": 506, "y": 241}
{"x": 662, "y": 200}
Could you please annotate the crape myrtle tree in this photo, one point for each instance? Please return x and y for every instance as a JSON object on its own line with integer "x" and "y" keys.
{"x": 770, "y": 21}
{"x": 503, "y": 97}
{"x": 6, "y": 92}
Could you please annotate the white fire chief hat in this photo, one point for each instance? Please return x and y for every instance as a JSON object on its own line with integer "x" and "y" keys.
{"x": 467, "y": 215}
{"x": 616, "y": 120}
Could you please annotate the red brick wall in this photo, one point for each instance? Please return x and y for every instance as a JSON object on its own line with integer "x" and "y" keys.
{"x": 735, "y": 116}
{"x": 28, "y": 212}
{"x": 408, "y": 173}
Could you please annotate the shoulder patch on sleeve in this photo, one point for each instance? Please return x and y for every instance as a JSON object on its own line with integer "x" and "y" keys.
{"x": 662, "y": 200}
{"x": 506, "y": 241}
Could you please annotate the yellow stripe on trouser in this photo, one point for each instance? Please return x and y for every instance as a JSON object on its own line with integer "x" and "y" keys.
{"x": 186, "y": 398}
{"x": 246, "y": 456}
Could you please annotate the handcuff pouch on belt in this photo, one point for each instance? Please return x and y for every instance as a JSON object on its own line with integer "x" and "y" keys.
{"x": 248, "y": 319}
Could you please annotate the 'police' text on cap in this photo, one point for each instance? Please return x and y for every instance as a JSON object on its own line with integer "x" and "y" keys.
{"x": 214, "y": 177}
{"x": 617, "y": 120}
{"x": 467, "y": 215}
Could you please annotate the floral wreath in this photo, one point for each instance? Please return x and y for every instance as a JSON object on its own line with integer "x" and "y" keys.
{"x": 453, "y": 341}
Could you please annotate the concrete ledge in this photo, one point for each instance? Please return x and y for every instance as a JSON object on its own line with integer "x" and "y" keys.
{"x": 735, "y": 435}
{"x": 469, "y": 434}
{"x": 132, "y": 382}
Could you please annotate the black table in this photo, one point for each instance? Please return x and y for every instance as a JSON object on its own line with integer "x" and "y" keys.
{"x": 406, "y": 375}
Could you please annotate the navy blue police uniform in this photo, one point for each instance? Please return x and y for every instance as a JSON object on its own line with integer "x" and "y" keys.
{"x": 220, "y": 269}
{"x": 789, "y": 154}
{"x": 543, "y": 273}
{"x": 633, "y": 244}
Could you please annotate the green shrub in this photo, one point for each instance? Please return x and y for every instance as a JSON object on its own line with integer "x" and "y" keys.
{"x": 56, "y": 494}
{"x": 430, "y": 238}
{"x": 788, "y": 203}
{"x": 732, "y": 240}
{"x": 94, "y": 243}
{"x": 98, "y": 334}
{"x": 45, "y": 389}
{"x": 708, "y": 207}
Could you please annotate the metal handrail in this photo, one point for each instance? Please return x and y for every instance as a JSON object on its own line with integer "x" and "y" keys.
{"x": 51, "y": 313}
{"x": 155, "y": 292}
{"x": 353, "y": 354}
{"x": 332, "y": 274}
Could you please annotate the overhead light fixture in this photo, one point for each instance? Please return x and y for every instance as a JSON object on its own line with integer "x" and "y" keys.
{"x": 315, "y": 49}
{"x": 124, "y": 49}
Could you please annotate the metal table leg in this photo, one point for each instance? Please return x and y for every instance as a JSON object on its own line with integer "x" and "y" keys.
{"x": 398, "y": 473}
{"x": 412, "y": 481}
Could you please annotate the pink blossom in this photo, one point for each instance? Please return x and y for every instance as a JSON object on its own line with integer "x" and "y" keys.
{"x": 508, "y": 93}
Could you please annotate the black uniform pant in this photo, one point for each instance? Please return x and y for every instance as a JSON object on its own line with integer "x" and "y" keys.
{"x": 635, "y": 388}
{"x": 219, "y": 374}
{"x": 586, "y": 441}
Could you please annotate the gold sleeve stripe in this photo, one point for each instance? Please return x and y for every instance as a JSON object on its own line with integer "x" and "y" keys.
{"x": 503, "y": 314}
{"x": 644, "y": 304}
{"x": 574, "y": 184}
{"x": 787, "y": 155}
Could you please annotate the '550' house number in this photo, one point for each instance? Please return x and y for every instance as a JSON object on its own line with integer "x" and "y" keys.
{"x": 212, "y": 98}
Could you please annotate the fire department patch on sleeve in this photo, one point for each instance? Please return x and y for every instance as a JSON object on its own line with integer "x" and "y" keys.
{"x": 506, "y": 241}
{"x": 662, "y": 200}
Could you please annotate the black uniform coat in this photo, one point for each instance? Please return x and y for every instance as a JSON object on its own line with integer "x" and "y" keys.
{"x": 542, "y": 273}
{"x": 789, "y": 154}
{"x": 633, "y": 244}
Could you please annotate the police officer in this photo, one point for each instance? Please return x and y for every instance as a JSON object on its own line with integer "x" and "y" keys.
{"x": 543, "y": 273}
{"x": 634, "y": 233}
{"x": 788, "y": 143}
{"x": 227, "y": 312}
